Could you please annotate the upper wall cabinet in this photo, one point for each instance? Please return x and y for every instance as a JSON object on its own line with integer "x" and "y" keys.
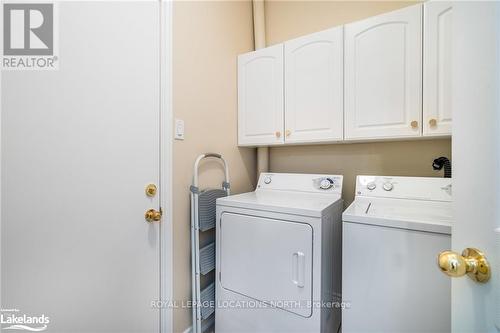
{"x": 260, "y": 97}
{"x": 437, "y": 68}
{"x": 383, "y": 76}
{"x": 314, "y": 69}
{"x": 365, "y": 81}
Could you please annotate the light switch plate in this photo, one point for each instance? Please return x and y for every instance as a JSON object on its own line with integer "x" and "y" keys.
{"x": 179, "y": 129}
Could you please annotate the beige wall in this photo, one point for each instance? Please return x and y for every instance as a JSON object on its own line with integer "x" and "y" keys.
{"x": 207, "y": 38}
{"x": 409, "y": 158}
{"x": 290, "y": 19}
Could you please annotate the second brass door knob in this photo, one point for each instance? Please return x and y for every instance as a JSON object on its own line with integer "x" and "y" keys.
{"x": 472, "y": 262}
{"x": 153, "y": 215}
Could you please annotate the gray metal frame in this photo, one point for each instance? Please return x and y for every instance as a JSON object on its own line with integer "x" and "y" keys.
{"x": 203, "y": 212}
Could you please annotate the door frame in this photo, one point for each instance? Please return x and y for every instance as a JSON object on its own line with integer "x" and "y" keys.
{"x": 166, "y": 165}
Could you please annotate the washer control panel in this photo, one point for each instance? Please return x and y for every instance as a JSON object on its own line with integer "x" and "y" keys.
{"x": 301, "y": 182}
{"x": 373, "y": 183}
{"x": 427, "y": 188}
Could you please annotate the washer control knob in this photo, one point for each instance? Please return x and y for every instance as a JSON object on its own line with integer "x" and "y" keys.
{"x": 267, "y": 179}
{"x": 371, "y": 186}
{"x": 388, "y": 186}
{"x": 326, "y": 184}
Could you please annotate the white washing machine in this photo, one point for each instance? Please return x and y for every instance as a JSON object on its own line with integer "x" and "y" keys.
{"x": 279, "y": 256}
{"x": 392, "y": 235}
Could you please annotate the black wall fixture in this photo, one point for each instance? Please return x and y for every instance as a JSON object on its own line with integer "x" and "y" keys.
{"x": 440, "y": 163}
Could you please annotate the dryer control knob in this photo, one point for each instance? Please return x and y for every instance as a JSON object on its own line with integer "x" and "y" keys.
{"x": 326, "y": 184}
{"x": 388, "y": 186}
{"x": 371, "y": 186}
{"x": 267, "y": 180}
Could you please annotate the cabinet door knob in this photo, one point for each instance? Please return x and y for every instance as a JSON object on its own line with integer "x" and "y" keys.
{"x": 432, "y": 122}
{"x": 278, "y": 134}
{"x": 287, "y": 133}
{"x": 414, "y": 124}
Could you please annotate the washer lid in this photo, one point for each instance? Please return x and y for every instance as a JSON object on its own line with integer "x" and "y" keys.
{"x": 420, "y": 215}
{"x": 287, "y": 202}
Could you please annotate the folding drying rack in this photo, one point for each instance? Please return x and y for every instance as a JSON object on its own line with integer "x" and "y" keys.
{"x": 203, "y": 211}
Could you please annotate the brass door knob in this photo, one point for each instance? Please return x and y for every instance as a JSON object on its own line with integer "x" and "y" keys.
{"x": 472, "y": 262}
{"x": 432, "y": 122}
{"x": 414, "y": 124}
{"x": 153, "y": 215}
{"x": 288, "y": 133}
{"x": 278, "y": 134}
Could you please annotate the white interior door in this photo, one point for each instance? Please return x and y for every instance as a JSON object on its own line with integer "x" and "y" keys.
{"x": 476, "y": 156}
{"x": 383, "y": 75}
{"x": 78, "y": 147}
{"x": 260, "y": 97}
{"x": 314, "y": 87}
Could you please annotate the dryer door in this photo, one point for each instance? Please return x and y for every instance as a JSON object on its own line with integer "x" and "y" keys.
{"x": 268, "y": 260}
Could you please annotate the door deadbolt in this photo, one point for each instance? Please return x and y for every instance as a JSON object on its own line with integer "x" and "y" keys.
{"x": 151, "y": 190}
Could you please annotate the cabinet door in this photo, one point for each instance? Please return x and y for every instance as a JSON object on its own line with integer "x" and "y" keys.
{"x": 314, "y": 67}
{"x": 260, "y": 97}
{"x": 383, "y": 76}
{"x": 437, "y": 68}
